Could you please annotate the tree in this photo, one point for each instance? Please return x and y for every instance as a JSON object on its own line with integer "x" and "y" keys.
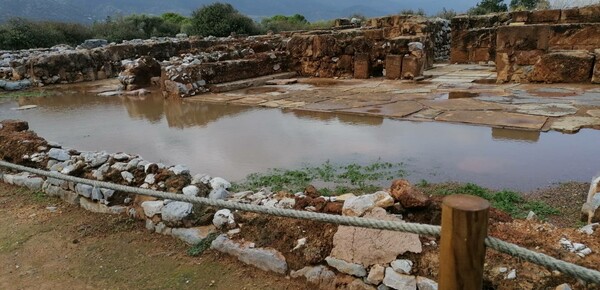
{"x": 521, "y": 5}
{"x": 279, "y": 23}
{"x": 221, "y": 19}
{"x": 488, "y": 6}
{"x": 172, "y": 17}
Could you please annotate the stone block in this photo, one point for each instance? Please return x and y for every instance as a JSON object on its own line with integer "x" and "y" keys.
{"x": 544, "y": 16}
{"x": 412, "y": 67}
{"x": 596, "y": 72}
{"x": 564, "y": 67}
{"x": 528, "y": 57}
{"x": 362, "y": 66}
{"x": 459, "y": 56}
{"x": 393, "y": 66}
{"x": 480, "y": 54}
{"x": 373, "y": 34}
{"x": 528, "y": 37}
{"x": 520, "y": 16}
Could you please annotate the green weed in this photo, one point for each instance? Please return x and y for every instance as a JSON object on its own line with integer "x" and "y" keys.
{"x": 202, "y": 246}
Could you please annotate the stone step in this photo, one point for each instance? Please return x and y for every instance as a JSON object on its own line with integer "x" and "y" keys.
{"x": 253, "y": 82}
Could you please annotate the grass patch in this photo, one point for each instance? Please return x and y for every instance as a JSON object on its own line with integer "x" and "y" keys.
{"x": 25, "y": 94}
{"x": 508, "y": 201}
{"x": 202, "y": 246}
{"x": 340, "y": 178}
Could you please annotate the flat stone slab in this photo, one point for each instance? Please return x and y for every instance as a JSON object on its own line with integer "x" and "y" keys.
{"x": 214, "y": 98}
{"x": 594, "y": 113}
{"x": 462, "y": 105}
{"x": 395, "y": 110}
{"x": 572, "y": 124}
{"x": 549, "y": 110}
{"x": 495, "y": 119}
{"x": 283, "y": 104}
{"x": 249, "y": 101}
{"x": 427, "y": 114}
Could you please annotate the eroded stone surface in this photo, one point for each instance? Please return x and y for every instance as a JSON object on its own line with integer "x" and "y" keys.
{"x": 572, "y": 124}
{"x": 369, "y": 247}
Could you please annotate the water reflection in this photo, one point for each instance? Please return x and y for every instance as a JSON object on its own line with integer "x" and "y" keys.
{"x": 233, "y": 141}
{"x": 516, "y": 135}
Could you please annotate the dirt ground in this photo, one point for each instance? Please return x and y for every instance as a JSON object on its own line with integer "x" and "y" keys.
{"x": 77, "y": 249}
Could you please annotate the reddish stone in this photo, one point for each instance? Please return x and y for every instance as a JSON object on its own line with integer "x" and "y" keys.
{"x": 333, "y": 208}
{"x": 480, "y": 54}
{"x": 542, "y": 16}
{"x": 412, "y": 67}
{"x": 528, "y": 57}
{"x": 564, "y": 67}
{"x": 311, "y": 191}
{"x": 393, "y": 66}
{"x": 407, "y": 195}
{"x": 373, "y": 34}
{"x": 520, "y": 16}
{"x": 362, "y": 66}
{"x": 459, "y": 56}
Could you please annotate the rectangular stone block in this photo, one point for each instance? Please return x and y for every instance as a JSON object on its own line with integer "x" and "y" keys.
{"x": 373, "y": 34}
{"x": 480, "y": 54}
{"x": 573, "y": 66}
{"x": 544, "y": 16}
{"x": 393, "y": 66}
{"x": 527, "y": 37}
{"x": 362, "y": 66}
{"x": 596, "y": 72}
{"x": 412, "y": 67}
{"x": 520, "y": 16}
{"x": 459, "y": 56}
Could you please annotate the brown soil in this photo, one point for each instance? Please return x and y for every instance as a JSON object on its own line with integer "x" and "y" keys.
{"x": 16, "y": 141}
{"x": 81, "y": 250}
{"x": 282, "y": 234}
{"x": 567, "y": 198}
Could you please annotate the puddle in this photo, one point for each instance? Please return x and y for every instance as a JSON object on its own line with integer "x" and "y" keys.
{"x": 233, "y": 141}
{"x": 457, "y": 95}
{"x": 553, "y": 92}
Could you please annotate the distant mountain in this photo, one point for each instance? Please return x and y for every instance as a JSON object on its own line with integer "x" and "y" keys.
{"x": 93, "y": 10}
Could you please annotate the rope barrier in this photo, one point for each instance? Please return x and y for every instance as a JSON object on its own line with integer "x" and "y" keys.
{"x": 549, "y": 262}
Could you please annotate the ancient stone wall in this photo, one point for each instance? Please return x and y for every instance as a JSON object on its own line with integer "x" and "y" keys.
{"x": 531, "y": 46}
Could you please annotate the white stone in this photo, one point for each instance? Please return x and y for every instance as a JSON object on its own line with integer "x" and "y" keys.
{"x": 287, "y": 203}
{"x": 578, "y": 246}
{"x": 219, "y": 182}
{"x": 345, "y": 267}
{"x": 152, "y": 207}
{"x": 218, "y": 193}
{"x": 318, "y": 275}
{"x": 376, "y": 274}
{"x": 149, "y": 225}
{"x": 192, "y": 236}
{"x": 121, "y": 166}
{"x": 149, "y": 179}
{"x": 426, "y": 284}
{"x": 223, "y": 219}
{"x": 511, "y": 275}
{"x": 265, "y": 259}
{"x": 299, "y": 244}
{"x": 357, "y": 206}
{"x": 59, "y": 154}
{"x": 127, "y": 176}
{"x": 399, "y": 281}
{"x": 180, "y": 169}
{"x": 402, "y": 266}
{"x": 121, "y": 156}
{"x": 176, "y": 211}
{"x": 84, "y": 190}
{"x": 589, "y": 229}
{"x": 191, "y": 190}
{"x": 201, "y": 178}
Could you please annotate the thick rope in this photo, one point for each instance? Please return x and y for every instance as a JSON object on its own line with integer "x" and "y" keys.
{"x": 549, "y": 262}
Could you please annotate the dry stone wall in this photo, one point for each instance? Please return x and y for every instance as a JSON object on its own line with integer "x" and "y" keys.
{"x": 531, "y": 46}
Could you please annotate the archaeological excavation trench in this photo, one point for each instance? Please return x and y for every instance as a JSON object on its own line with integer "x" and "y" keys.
{"x": 506, "y": 101}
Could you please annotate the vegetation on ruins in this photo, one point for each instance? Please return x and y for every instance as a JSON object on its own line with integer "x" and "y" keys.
{"x": 420, "y": 12}
{"x": 220, "y": 19}
{"x": 279, "y": 23}
{"x": 521, "y": 5}
{"x": 446, "y": 13}
{"x": 488, "y": 6}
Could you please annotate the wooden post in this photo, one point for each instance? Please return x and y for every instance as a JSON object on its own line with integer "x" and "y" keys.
{"x": 462, "y": 248}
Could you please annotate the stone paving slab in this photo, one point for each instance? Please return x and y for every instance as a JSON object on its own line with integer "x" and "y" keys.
{"x": 549, "y": 110}
{"x": 572, "y": 124}
{"x": 214, "y": 98}
{"x": 396, "y": 110}
{"x": 463, "y": 105}
{"x": 495, "y": 119}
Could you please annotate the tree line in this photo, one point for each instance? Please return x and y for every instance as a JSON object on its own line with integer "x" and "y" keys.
{"x": 218, "y": 19}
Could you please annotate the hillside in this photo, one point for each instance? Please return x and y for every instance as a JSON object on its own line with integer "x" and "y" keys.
{"x": 93, "y": 10}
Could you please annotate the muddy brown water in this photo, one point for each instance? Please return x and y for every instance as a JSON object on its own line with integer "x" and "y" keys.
{"x": 233, "y": 141}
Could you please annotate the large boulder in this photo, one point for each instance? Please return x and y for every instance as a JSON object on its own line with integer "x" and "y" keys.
{"x": 573, "y": 66}
{"x": 93, "y": 43}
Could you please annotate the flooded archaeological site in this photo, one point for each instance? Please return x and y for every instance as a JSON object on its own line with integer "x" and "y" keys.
{"x": 233, "y": 141}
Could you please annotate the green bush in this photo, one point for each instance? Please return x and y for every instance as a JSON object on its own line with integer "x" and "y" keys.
{"x": 136, "y": 26}
{"x": 220, "y": 20}
{"x": 488, "y": 6}
{"x": 18, "y": 33}
{"x": 446, "y": 13}
{"x": 280, "y": 23}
